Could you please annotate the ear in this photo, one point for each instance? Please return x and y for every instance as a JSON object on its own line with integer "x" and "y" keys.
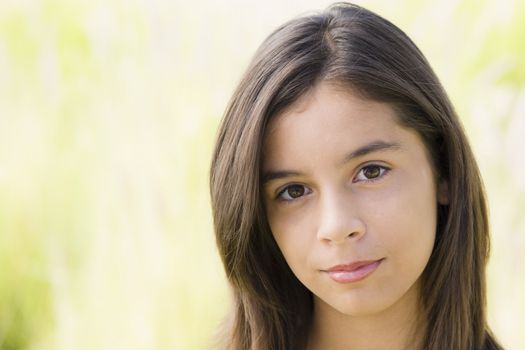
{"x": 442, "y": 193}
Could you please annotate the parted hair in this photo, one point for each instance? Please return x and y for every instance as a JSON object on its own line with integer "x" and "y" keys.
{"x": 354, "y": 47}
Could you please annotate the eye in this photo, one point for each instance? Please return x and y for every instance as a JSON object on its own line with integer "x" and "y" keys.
{"x": 292, "y": 192}
{"x": 370, "y": 173}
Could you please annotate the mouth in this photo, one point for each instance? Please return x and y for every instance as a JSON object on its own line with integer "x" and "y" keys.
{"x": 353, "y": 272}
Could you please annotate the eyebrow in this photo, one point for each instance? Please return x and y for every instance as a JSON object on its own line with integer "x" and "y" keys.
{"x": 372, "y": 147}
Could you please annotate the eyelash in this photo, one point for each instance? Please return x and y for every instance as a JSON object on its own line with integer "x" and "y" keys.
{"x": 382, "y": 169}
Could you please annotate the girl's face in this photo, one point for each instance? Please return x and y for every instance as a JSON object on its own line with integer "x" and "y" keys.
{"x": 351, "y": 200}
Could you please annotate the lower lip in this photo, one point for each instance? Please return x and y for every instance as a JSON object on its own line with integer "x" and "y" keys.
{"x": 354, "y": 275}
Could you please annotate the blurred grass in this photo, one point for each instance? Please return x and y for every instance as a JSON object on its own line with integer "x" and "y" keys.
{"x": 108, "y": 112}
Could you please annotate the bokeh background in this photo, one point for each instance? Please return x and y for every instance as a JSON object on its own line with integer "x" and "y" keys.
{"x": 108, "y": 114}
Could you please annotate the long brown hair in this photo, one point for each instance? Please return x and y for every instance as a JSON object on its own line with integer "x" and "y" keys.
{"x": 349, "y": 45}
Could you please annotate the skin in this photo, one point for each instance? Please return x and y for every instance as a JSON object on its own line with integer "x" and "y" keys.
{"x": 326, "y": 208}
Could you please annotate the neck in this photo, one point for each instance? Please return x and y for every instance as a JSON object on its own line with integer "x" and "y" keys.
{"x": 399, "y": 327}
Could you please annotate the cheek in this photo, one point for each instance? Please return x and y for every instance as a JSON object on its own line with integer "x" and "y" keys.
{"x": 405, "y": 222}
{"x": 293, "y": 234}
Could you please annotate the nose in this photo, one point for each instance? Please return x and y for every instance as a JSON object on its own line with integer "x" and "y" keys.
{"x": 339, "y": 219}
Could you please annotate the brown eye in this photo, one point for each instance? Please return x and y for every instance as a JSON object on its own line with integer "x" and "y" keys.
{"x": 293, "y": 192}
{"x": 371, "y": 172}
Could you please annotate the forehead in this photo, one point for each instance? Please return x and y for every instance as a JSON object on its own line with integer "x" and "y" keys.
{"x": 330, "y": 115}
{"x": 329, "y": 99}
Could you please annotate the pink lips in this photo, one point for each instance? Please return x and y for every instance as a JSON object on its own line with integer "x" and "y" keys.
{"x": 353, "y": 272}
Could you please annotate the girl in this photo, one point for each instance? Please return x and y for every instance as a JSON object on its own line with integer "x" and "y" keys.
{"x": 348, "y": 208}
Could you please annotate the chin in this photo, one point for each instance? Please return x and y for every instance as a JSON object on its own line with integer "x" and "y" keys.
{"x": 366, "y": 302}
{"x": 360, "y": 307}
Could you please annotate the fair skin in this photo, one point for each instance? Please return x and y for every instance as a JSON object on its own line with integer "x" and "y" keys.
{"x": 343, "y": 182}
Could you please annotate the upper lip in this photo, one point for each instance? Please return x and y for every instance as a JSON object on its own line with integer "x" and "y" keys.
{"x": 351, "y": 266}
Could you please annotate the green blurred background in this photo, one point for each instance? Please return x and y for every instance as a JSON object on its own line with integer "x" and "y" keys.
{"x": 108, "y": 112}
